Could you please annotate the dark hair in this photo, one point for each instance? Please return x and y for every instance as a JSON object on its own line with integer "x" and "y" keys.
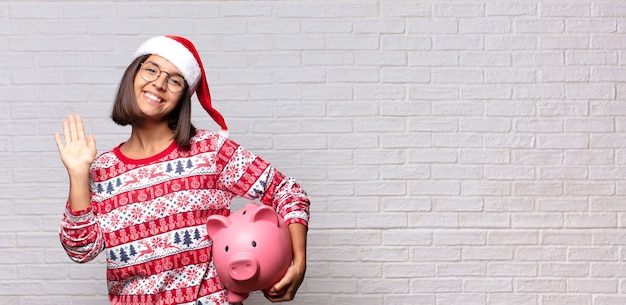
{"x": 126, "y": 112}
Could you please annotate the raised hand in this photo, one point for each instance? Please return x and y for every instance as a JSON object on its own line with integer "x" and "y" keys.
{"x": 77, "y": 151}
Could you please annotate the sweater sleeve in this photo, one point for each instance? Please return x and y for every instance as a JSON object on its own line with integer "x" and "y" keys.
{"x": 80, "y": 235}
{"x": 251, "y": 177}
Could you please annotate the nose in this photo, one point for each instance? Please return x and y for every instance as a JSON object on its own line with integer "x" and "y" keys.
{"x": 243, "y": 269}
{"x": 161, "y": 81}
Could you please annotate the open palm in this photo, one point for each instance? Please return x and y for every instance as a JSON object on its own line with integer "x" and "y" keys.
{"x": 77, "y": 151}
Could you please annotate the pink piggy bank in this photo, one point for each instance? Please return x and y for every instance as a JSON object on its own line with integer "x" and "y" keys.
{"x": 251, "y": 249}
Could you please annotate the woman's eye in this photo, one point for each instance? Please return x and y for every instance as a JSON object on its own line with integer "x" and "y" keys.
{"x": 176, "y": 82}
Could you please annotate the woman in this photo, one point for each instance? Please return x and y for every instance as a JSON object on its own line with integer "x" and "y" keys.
{"x": 145, "y": 203}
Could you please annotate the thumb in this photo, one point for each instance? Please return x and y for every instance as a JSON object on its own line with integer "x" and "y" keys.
{"x": 279, "y": 288}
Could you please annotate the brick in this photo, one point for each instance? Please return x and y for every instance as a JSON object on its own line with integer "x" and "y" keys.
{"x": 457, "y": 76}
{"x": 457, "y": 42}
{"x": 487, "y": 253}
{"x": 488, "y": 285}
{"x": 401, "y": 204}
{"x": 537, "y": 221}
{"x": 405, "y": 9}
{"x": 325, "y": 57}
{"x": 444, "y": 238}
{"x": 438, "y": 220}
{"x": 609, "y": 9}
{"x": 511, "y": 9}
{"x": 324, "y": 26}
{"x": 432, "y": 26}
{"x": 513, "y": 238}
{"x": 500, "y": 269}
{"x": 399, "y": 286}
{"x": 451, "y": 109}
{"x": 455, "y": 171}
{"x": 404, "y": 172}
{"x": 535, "y": 25}
{"x": 378, "y": 26}
{"x": 539, "y": 58}
{"x": 351, "y": 270}
{"x": 334, "y": 254}
{"x": 461, "y": 269}
{"x": 404, "y": 270}
{"x": 434, "y": 58}
{"x": 514, "y": 298}
{"x": 385, "y": 188}
{"x": 598, "y": 254}
{"x": 436, "y": 254}
{"x": 342, "y": 238}
{"x": 517, "y": 42}
{"x": 353, "y": 141}
{"x": 459, "y": 10}
{"x": 406, "y": 237}
{"x": 485, "y": 26}
{"x": 270, "y": 26}
{"x": 22, "y": 288}
{"x": 565, "y": 10}
{"x": 540, "y": 285}
{"x": 383, "y": 254}
{"x": 350, "y": 42}
{"x": 401, "y": 42}
{"x": 436, "y": 285}
{"x": 563, "y": 42}
{"x": 566, "y": 238}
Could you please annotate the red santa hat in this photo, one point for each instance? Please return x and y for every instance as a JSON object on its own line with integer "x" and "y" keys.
{"x": 182, "y": 54}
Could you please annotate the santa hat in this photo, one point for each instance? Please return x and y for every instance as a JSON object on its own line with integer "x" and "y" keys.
{"x": 182, "y": 54}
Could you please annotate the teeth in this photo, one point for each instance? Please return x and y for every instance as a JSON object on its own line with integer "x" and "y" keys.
{"x": 152, "y": 97}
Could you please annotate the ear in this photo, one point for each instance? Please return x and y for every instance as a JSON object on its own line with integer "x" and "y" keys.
{"x": 216, "y": 223}
{"x": 264, "y": 213}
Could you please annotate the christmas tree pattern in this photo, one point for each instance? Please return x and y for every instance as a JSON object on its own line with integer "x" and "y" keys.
{"x": 123, "y": 256}
{"x": 187, "y": 239}
{"x": 179, "y": 167}
{"x": 109, "y": 188}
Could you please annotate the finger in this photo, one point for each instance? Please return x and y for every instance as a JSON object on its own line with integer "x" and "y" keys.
{"x": 91, "y": 141}
{"x": 57, "y": 139}
{"x": 80, "y": 128}
{"x": 281, "y": 292}
{"x": 72, "y": 125}
{"x": 66, "y": 131}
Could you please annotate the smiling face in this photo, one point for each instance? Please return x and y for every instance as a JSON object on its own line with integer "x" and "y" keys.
{"x": 153, "y": 97}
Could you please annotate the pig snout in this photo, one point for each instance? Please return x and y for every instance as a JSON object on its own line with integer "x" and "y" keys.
{"x": 243, "y": 268}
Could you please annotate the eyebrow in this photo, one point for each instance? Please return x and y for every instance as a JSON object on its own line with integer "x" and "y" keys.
{"x": 168, "y": 73}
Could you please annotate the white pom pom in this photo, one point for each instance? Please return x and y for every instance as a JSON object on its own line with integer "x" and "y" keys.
{"x": 223, "y": 133}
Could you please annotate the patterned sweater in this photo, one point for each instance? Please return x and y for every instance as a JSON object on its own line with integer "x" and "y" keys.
{"x": 149, "y": 217}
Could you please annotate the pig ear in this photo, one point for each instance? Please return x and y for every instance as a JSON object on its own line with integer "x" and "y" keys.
{"x": 216, "y": 223}
{"x": 265, "y": 213}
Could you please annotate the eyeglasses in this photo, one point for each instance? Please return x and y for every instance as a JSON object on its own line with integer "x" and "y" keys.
{"x": 151, "y": 72}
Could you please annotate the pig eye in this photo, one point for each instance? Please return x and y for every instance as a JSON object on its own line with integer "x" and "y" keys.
{"x": 254, "y": 243}
{"x": 226, "y": 249}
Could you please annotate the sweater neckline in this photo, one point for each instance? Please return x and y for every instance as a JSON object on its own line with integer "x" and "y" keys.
{"x": 118, "y": 153}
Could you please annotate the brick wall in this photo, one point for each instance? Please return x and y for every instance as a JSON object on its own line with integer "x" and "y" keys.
{"x": 456, "y": 152}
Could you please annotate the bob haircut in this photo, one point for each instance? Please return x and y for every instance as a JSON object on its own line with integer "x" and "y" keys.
{"x": 126, "y": 112}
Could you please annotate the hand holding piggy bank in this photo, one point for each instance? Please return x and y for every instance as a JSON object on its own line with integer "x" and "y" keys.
{"x": 251, "y": 249}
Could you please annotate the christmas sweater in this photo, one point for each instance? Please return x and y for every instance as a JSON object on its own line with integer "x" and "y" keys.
{"x": 149, "y": 217}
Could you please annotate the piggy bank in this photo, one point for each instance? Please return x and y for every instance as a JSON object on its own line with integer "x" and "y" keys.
{"x": 251, "y": 249}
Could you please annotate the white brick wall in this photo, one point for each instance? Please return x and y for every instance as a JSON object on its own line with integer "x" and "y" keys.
{"x": 456, "y": 152}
